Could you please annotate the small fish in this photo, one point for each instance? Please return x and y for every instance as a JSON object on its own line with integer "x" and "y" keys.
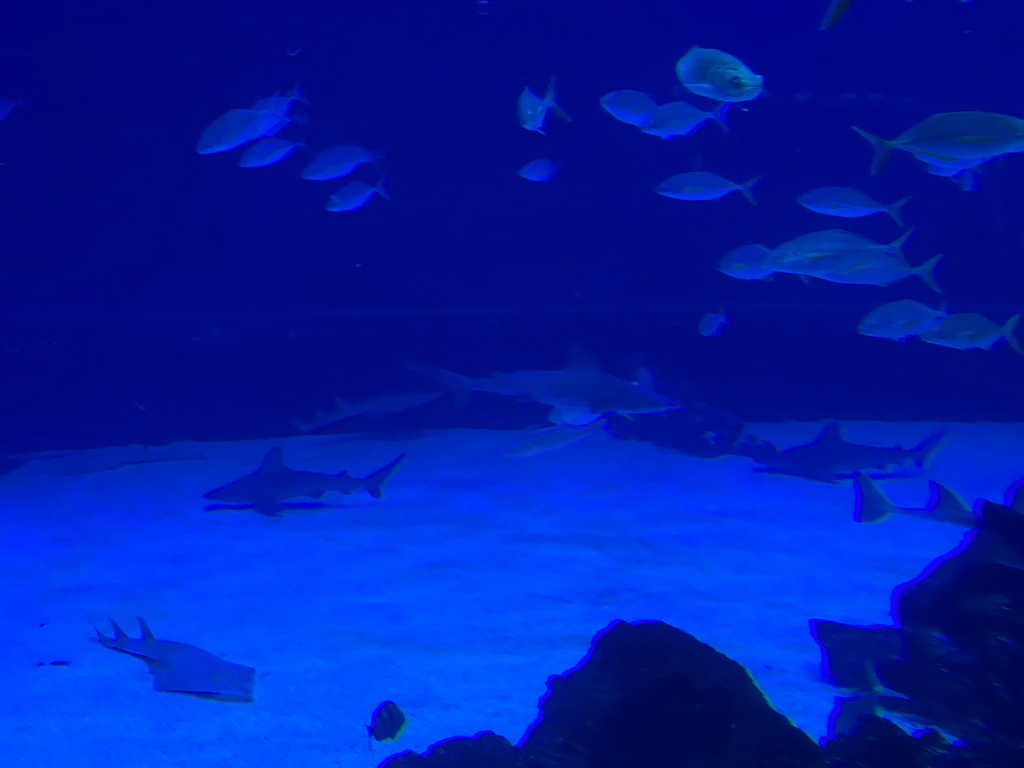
{"x": 712, "y": 323}
{"x": 718, "y": 75}
{"x": 267, "y": 151}
{"x": 748, "y": 262}
{"x": 354, "y": 195}
{"x": 952, "y": 137}
{"x": 836, "y": 10}
{"x": 900, "y": 320}
{"x": 680, "y": 118}
{"x": 559, "y": 436}
{"x": 969, "y": 330}
{"x": 848, "y": 203}
{"x": 338, "y": 161}
{"x": 533, "y": 110}
{"x": 701, "y": 185}
{"x": 539, "y": 170}
{"x": 630, "y": 107}
{"x": 387, "y": 723}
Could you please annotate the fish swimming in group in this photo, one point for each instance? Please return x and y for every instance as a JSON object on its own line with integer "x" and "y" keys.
{"x": 338, "y": 161}
{"x": 354, "y": 195}
{"x": 871, "y": 505}
{"x": 748, "y": 262}
{"x": 952, "y": 137}
{"x": 533, "y": 110}
{"x": 267, "y": 151}
{"x": 900, "y": 320}
{"x": 680, "y": 118}
{"x": 576, "y": 388}
{"x": 969, "y": 330}
{"x": 718, "y": 75}
{"x": 539, "y": 170}
{"x": 273, "y": 483}
{"x": 830, "y": 458}
{"x": 701, "y": 185}
{"x": 382, "y": 405}
{"x": 630, "y": 107}
{"x": 848, "y": 203}
{"x": 236, "y": 127}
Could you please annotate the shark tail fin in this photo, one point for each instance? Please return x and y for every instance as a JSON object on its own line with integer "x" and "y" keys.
{"x": 870, "y": 504}
{"x": 374, "y": 482}
{"x": 922, "y": 453}
{"x": 460, "y": 386}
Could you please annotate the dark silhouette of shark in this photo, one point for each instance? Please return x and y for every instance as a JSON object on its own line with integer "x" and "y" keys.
{"x": 274, "y": 482}
{"x": 830, "y": 458}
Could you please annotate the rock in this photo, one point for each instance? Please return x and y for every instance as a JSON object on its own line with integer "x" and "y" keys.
{"x": 484, "y": 750}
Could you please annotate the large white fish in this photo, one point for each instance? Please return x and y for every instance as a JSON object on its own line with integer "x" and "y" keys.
{"x": 718, "y": 75}
{"x": 969, "y": 330}
{"x": 899, "y": 320}
{"x": 848, "y": 203}
{"x": 630, "y": 107}
{"x": 338, "y": 161}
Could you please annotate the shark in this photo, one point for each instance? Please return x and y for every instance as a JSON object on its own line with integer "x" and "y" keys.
{"x": 381, "y": 405}
{"x": 830, "y": 458}
{"x": 871, "y": 505}
{"x": 575, "y": 389}
{"x": 274, "y": 482}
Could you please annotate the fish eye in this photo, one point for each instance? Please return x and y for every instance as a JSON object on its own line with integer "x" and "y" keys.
{"x": 738, "y": 81}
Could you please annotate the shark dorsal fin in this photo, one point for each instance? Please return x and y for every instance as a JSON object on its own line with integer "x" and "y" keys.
{"x": 945, "y": 503}
{"x": 870, "y": 504}
{"x": 147, "y": 633}
{"x": 831, "y": 434}
{"x": 273, "y": 461}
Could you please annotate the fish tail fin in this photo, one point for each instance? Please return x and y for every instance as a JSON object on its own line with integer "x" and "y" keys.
{"x": 922, "y": 453}
{"x": 549, "y": 99}
{"x": 1011, "y": 338}
{"x": 748, "y": 187}
{"x": 719, "y": 114}
{"x": 381, "y": 190}
{"x": 870, "y": 504}
{"x": 374, "y": 482}
{"x": 303, "y": 426}
{"x": 460, "y": 386}
{"x": 927, "y": 272}
{"x": 899, "y": 241}
{"x": 882, "y": 149}
{"x": 894, "y": 211}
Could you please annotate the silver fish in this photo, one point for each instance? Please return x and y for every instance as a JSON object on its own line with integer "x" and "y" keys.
{"x": 267, "y": 151}
{"x": 701, "y": 185}
{"x": 848, "y": 203}
{"x": 969, "y": 330}
{"x": 630, "y": 107}
{"x": 355, "y": 195}
{"x": 899, "y": 320}
{"x": 338, "y": 161}
{"x": 748, "y": 262}
{"x": 533, "y": 110}
{"x": 680, "y": 118}
{"x": 718, "y": 75}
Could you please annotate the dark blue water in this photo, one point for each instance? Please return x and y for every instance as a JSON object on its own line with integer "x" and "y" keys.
{"x": 150, "y": 293}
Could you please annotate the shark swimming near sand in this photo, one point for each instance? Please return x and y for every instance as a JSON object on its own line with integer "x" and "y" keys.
{"x": 830, "y": 458}
{"x": 274, "y": 482}
{"x": 577, "y": 388}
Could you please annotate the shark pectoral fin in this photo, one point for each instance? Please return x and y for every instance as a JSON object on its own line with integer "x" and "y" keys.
{"x": 374, "y": 483}
{"x": 870, "y": 505}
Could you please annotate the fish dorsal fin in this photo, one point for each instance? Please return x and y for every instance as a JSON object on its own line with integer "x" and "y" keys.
{"x": 119, "y": 634}
{"x": 831, "y": 434}
{"x": 643, "y": 379}
{"x": 147, "y": 633}
{"x": 273, "y": 461}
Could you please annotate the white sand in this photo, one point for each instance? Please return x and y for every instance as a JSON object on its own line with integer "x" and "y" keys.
{"x": 474, "y": 579}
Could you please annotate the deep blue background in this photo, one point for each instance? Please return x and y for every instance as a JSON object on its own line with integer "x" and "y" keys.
{"x": 225, "y": 301}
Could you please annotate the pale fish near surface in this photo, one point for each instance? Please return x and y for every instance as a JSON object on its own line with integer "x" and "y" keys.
{"x": 539, "y": 170}
{"x": 630, "y": 107}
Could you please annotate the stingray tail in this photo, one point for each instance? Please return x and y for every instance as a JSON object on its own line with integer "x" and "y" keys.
{"x": 374, "y": 483}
